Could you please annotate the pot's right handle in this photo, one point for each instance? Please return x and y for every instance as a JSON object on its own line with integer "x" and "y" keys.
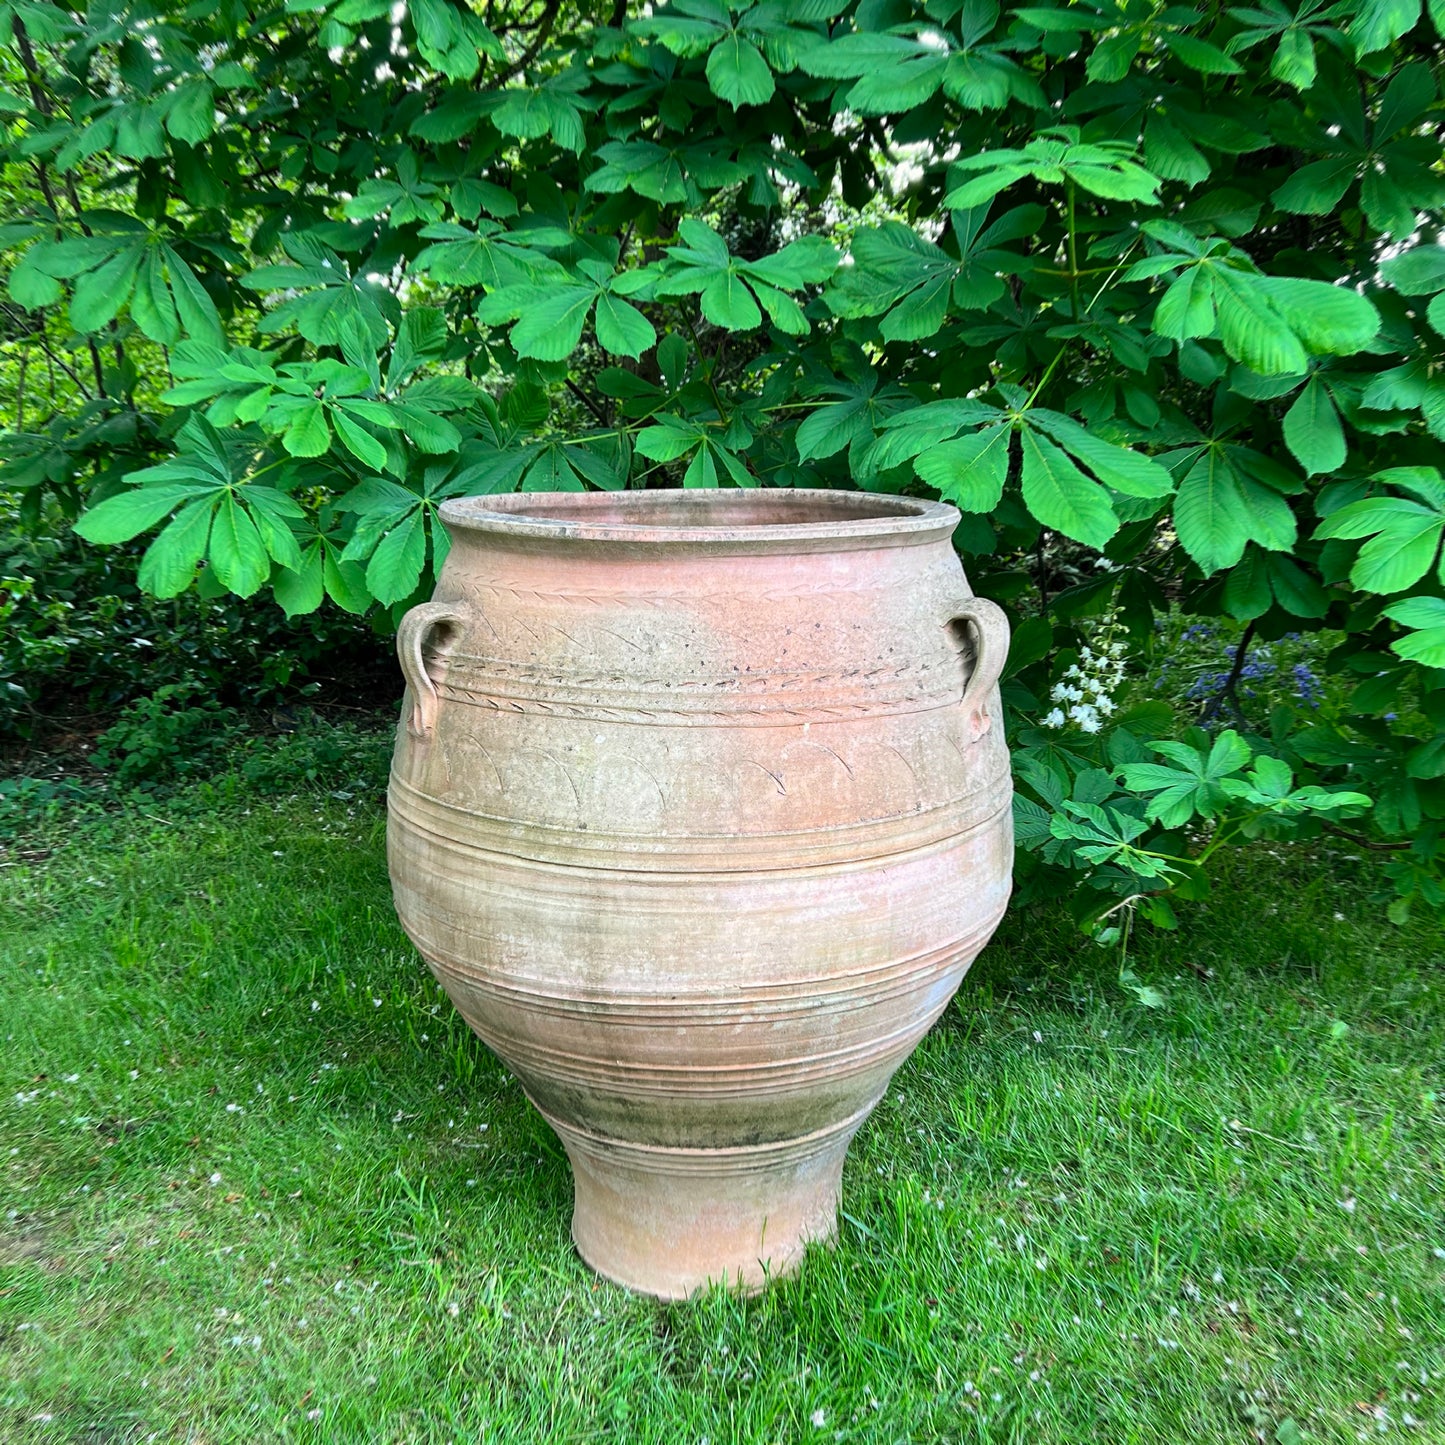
{"x": 411, "y": 636}
{"x": 991, "y": 633}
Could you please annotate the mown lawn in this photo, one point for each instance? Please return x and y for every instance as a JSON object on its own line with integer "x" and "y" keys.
{"x": 260, "y": 1185}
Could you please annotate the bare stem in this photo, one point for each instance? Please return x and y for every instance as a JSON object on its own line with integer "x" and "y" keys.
{"x": 1228, "y": 694}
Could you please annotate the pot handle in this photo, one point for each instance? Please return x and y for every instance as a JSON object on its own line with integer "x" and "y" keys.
{"x": 411, "y": 635}
{"x": 991, "y": 630}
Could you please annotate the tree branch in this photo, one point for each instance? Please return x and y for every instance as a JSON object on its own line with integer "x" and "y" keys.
{"x": 1228, "y": 693}
{"x": 40, "y": 99}
{"x": 544, "y": 29}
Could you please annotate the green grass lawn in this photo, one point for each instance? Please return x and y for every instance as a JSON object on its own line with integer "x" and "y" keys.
{"x": 260, "y": 1184}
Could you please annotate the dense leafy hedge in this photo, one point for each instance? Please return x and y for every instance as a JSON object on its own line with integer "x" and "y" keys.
{"x": 79, "y": 640}
{"x": 1155, "y": 295}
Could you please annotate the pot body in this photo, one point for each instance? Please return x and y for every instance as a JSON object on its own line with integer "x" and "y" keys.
{"x": 700, "y": 812}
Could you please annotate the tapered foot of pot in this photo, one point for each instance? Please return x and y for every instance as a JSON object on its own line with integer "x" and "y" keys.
{"x": 669, "y": 1222}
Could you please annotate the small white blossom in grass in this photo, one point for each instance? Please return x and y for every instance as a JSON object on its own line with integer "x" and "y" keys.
{"x": 313, "y": 1414}
{"x": 215, "y": 1179}
{"x": 819, "y": 1418}
{"x": 453, "y": 1308}
{"x": 376, "y": 1003}
{"x": 314, "y": 1005}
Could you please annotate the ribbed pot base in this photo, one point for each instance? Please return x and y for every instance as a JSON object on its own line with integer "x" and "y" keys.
{"x": 669, "y": 1222}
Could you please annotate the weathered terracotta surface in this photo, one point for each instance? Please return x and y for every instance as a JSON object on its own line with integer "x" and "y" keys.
{"x": 700, "y": 812}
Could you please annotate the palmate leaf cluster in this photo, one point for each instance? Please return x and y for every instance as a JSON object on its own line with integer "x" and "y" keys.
{"x": 1155, "y": 296}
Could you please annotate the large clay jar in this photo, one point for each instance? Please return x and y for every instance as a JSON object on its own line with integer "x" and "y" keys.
{"x": 700, "y": 813}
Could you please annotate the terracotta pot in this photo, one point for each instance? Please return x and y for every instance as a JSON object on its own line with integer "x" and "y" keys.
{"x": 700, "y": 813}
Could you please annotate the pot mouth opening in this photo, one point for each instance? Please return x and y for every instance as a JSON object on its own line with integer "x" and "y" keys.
{"x": 731, "y": 519}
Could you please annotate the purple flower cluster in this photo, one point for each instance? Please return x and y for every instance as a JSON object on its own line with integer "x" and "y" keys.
{"x": 1257, "y": 668}
{"x": 1307, "y": 687}
{"x": 1206, "y": 685}
{"x": 1261, "y": 668}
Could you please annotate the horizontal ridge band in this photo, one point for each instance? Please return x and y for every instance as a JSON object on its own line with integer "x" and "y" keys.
{"x": 820, "y": 849}
{"x": 728, "y": 1160}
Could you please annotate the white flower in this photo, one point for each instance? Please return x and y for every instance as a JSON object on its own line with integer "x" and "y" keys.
{"x": 819, "y": 1419}
{"x": 1086, "y": 687}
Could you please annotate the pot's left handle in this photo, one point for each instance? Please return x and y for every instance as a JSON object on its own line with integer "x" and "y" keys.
{"x": 990, "y": 653}
{"x": 411, "y": 637}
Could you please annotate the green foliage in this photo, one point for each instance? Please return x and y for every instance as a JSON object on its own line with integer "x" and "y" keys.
{"x": 78, "y": 639}
{"x": 1156, "y": 297}
{"x": 180, "y": 734}
{"x": 174, "y": 733}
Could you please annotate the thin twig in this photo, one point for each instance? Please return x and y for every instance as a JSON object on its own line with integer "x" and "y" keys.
{"x": 56, "y": 361}
{"x": 544, "y": 29}
{"x": 586, "y": 401}
{"x": 1362, "y": 842}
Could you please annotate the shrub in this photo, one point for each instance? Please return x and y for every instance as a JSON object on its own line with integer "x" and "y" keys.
{"x": 77, "y": 636}
{"x": 176, "y": 732}
{"x": 1154, "y": 296}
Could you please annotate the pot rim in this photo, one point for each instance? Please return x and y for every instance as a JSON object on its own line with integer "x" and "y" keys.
{"x": 710, "y": 520}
